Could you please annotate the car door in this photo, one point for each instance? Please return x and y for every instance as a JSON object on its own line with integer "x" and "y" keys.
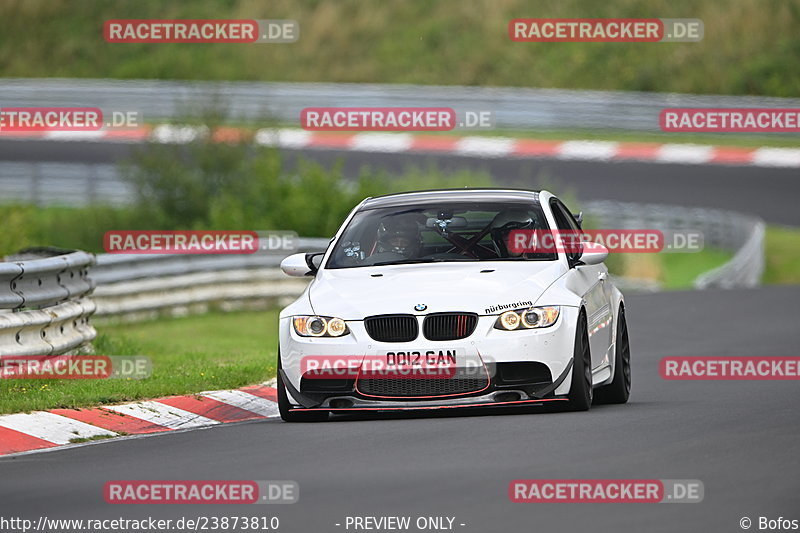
{"x": 588, "y": 281}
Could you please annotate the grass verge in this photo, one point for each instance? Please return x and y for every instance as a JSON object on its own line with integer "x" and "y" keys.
{"x": 748, "y": 47}
{"x": 718, "y": 139}
{"x": 673, "y": 271}
{"x": 230, "y": 350}
{"x": 782, "y": 252}
{"x": 680, "y": 270}
{"x": 189, "y": 355}
{"x": 743, "y": 140}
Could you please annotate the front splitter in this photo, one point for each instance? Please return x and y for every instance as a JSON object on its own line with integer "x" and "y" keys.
{"x": 418, "y": 407}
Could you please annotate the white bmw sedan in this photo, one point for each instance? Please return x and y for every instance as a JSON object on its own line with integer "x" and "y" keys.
{"x": 438, "y": 300}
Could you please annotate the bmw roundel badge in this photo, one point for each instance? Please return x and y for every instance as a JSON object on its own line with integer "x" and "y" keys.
{"x": 420, "y": 307}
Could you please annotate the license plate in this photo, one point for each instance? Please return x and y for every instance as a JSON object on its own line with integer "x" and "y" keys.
{"x": 414, "y": 363}
{"x": 421, "y": 358}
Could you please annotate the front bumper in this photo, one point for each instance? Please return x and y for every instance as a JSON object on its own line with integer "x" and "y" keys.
{"x": 497, "y": 394}
{"x": 551, "y": 348}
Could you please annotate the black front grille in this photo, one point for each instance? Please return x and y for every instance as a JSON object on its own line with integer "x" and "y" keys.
{"x": 421, "y": 387}
{"x": 392, "y": 328}
{"x": 449, "y": 326}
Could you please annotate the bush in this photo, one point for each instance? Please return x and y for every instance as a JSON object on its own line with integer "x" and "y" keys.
{"x": 241, "y": 185}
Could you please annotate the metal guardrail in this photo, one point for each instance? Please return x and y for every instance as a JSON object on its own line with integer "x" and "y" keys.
{"x": 63, "y": 183}
{"x": 746, "y": 267}
{"x": 721, "y": 229}
{"x": 44, "y": 303}
{"x": 51, "y": 331}
{"x": 113, "y": 268}
{"x": 513, "y": 108}
{"x": 46, "y": 281}
{"x": 138, "y": 286}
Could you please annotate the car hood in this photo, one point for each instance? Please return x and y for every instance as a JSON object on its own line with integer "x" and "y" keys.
{"x": 483, "y": 288}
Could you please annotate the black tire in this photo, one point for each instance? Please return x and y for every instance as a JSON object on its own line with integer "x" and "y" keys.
{"x": 293, "y": 415}
{"x": 580, "y": 390}
{"x": 619, "y": 389}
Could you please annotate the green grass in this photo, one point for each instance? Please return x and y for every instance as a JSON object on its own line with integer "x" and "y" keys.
{"x": 672, "y": 270}
{"x": 281, "y": 201}
{"x": 745, "y": 140}
{"x": 79, "y": 228}
{"x": 78, "y": 440}
{"x": 230, "y": 350}
{"x": 215, "y": 351}
{"x": 189, "y": 355}
{"x": 749, "y": 47}
{"x": 680, "y": 270}
{"x": 721, "y": 139}
{"x": 782, "y": 250}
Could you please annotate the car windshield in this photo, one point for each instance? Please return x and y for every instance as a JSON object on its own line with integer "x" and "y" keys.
{"x": 440, "y": 232}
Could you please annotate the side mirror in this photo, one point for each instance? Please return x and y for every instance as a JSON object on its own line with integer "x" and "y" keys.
{"x": 300, "y": 265}
{"x": 593, "y": 254}
{"x": 579, "y": 219}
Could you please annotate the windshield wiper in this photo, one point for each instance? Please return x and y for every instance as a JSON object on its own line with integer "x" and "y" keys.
{"x": 418, "y": 260}
{"x": 516, "y": 259}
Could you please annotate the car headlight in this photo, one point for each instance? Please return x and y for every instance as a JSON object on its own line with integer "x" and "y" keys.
{"x": 528, "y": 318}
{"x": 319, "y": 326}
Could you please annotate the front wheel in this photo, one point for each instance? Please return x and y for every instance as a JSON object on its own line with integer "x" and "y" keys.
{"x": 284, "y": 407}
{"x": 580, "y": 390}
{"x": 619, "y": 389}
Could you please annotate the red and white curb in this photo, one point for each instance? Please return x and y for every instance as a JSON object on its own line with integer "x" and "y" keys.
{"x": 487, "y": 147}
{"x": 41, "y": 430}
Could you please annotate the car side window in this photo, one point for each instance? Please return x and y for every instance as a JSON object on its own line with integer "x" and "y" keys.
{"x": 568, "y": 214}
{"x": 565, "y": 222}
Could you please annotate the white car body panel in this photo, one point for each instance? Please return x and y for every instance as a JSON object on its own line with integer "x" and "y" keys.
{"x": 479, "y": 287}
{"x": 353, "y": 293}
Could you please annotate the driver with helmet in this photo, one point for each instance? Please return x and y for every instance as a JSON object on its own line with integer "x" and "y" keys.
{"x": 504, "y": 223}
{"x": 399, "y": 236}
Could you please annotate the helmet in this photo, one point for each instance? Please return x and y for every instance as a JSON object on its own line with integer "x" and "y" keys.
{"x": 507, "y": 221}
{"x": 400, "y": 237}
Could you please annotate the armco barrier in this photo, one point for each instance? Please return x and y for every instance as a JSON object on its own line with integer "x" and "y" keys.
{"x": 723, "y": 230}
{"x": 48, "y": 281}
{"x": 513, "y": 107}
{"x": 44, "y": 303}
{"x": 9, "y": 299}
{"x": 144, "y": 286}
{"x": 140, "y": 286}
{"x": 746, "y": 267}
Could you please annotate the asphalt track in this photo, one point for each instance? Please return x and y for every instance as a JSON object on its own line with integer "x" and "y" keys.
{"x": 770, "y": 193}
{"x": 739, "y": 438}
